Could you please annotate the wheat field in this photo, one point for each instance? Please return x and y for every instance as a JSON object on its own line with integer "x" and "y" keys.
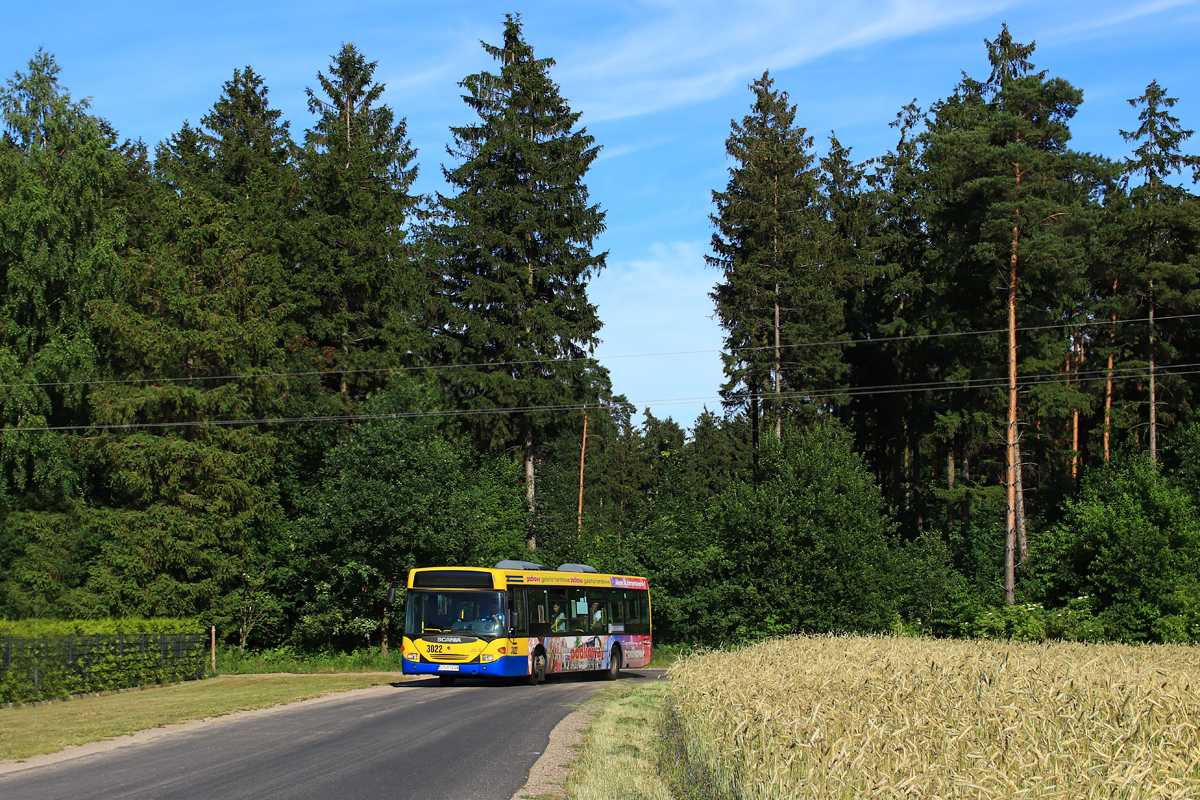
{"x": 841, "y": 716}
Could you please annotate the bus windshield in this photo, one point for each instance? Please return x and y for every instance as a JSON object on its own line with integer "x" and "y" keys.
{"x": 465, "y": 612}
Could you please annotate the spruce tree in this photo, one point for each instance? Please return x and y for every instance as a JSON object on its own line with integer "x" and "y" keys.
{"x": 70, "y": 194}
{"x": 895, "y": 303}
{"x": 778, "y": 289}
{"x": 517, "y": 255}
{"x": 62, "y": 237}
{"x": 191, "y": 513}
{"x": 357, "y": 279}
{"x": 1161, "y": 234}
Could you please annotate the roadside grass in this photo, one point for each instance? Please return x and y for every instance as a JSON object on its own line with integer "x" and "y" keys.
{"x": 665, "y": 655}
{"x": 232, "y": 661}
{"x": 620, "y": 756}
{"x": 29, "y": 731}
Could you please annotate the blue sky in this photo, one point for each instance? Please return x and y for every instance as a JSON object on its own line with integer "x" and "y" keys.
{"x": 658, "y": 83}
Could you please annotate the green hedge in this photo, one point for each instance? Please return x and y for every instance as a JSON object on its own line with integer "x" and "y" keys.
{"x": 34, "y": 628}
{"x": 58, "y": 666}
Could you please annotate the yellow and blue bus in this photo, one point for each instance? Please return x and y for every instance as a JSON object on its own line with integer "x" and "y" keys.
{"x": 521, "y": 619}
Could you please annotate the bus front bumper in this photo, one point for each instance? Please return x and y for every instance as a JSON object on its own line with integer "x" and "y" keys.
{"x": 502, "y": 667}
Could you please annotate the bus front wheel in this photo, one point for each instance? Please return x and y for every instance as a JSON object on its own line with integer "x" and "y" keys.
{"x": 537, "y": 672}
{"x": 614, "y": 665}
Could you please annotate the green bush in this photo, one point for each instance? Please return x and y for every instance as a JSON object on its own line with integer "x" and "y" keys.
{"x": 34, "y": 628}
{"x": 1130, "y": 544}
{"x": 51, "y": 667}
{"x": 1075, "y": 622}
{"x": 804, "y": 545}
{"x": 1024, "y": 622}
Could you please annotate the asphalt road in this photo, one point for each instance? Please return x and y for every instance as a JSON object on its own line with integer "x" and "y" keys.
{"x": 418, "y": 739}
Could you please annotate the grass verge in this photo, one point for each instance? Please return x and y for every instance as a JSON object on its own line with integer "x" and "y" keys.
{"x": 665, "y": 655}
{"x": 619, "y": 759}
{"x": 232, "y": 661}
{"x": 29, "y": 731}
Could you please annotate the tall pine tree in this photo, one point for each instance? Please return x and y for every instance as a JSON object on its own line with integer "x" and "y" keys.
{"x": 1014, "y": 200}
{"x": 517, "y": 249}
{"x": 777, "y": 290}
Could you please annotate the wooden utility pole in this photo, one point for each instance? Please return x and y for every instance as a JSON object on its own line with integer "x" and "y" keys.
{"x": 582, "y": 453}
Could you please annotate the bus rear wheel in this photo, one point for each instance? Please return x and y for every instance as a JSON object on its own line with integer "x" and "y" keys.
{"x": 446, "y": 680}
{"x": 614, "y": 665}
{"x": 537, "y": 671}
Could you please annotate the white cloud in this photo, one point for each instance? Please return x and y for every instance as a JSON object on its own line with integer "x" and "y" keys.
{"x": 684, "y": 52}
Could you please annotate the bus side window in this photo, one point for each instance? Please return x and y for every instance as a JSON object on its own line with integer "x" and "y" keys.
{"x": 560, "y": 611}
{"x": 598, "y": 615}
{"x": 539, "y": 613}
{"x": 577, "y": 610}
{"x": 616, "y": 610}
{"x": 637, "y": 601}
{"x": 635, "y": 611}
{"x": 516, "y": 611}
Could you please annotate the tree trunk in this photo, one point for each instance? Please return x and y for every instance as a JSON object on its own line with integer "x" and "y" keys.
{"x": 529, "y": 481}
{"x": 950, "y": 485}
{"x": 582, "y": 453}
{"x": 1108, "y": 384}
{"x": 383, "y": 629}
{"x": 346, "y": 364}
{"x": 1022, "y": 543}
{"x": 1010, "y": 434}
{"x": 918, "y": 489}
{"x": 1153, "y": 401}
{"x": 1075, "y": 418}
{"x": 778, "y": 368}
{"x": 965, "y": 515}
{"x": 754, "y": 431}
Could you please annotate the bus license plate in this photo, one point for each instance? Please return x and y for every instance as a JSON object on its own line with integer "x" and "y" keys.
{"x": 447, "y": 668}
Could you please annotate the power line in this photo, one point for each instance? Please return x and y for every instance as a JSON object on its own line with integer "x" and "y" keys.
{"x": 826, "y": 394}
{"x": 294, "y": 420}
{"x": 557, "y": 361}
{"x": 1023, "y": 382}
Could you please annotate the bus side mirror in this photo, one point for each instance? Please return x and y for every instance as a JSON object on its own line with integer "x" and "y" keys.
{"x": 391, "y": 593}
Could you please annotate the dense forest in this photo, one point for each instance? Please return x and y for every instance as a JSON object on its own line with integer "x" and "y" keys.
{"x": 251, "y": 377}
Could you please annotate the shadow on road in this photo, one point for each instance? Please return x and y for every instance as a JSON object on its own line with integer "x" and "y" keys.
{"x": 559, "y": 678}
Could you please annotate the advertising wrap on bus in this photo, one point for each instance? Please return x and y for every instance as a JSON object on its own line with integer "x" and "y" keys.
{"x": 628, "y": 583}
{"x": 578, "y": 654}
